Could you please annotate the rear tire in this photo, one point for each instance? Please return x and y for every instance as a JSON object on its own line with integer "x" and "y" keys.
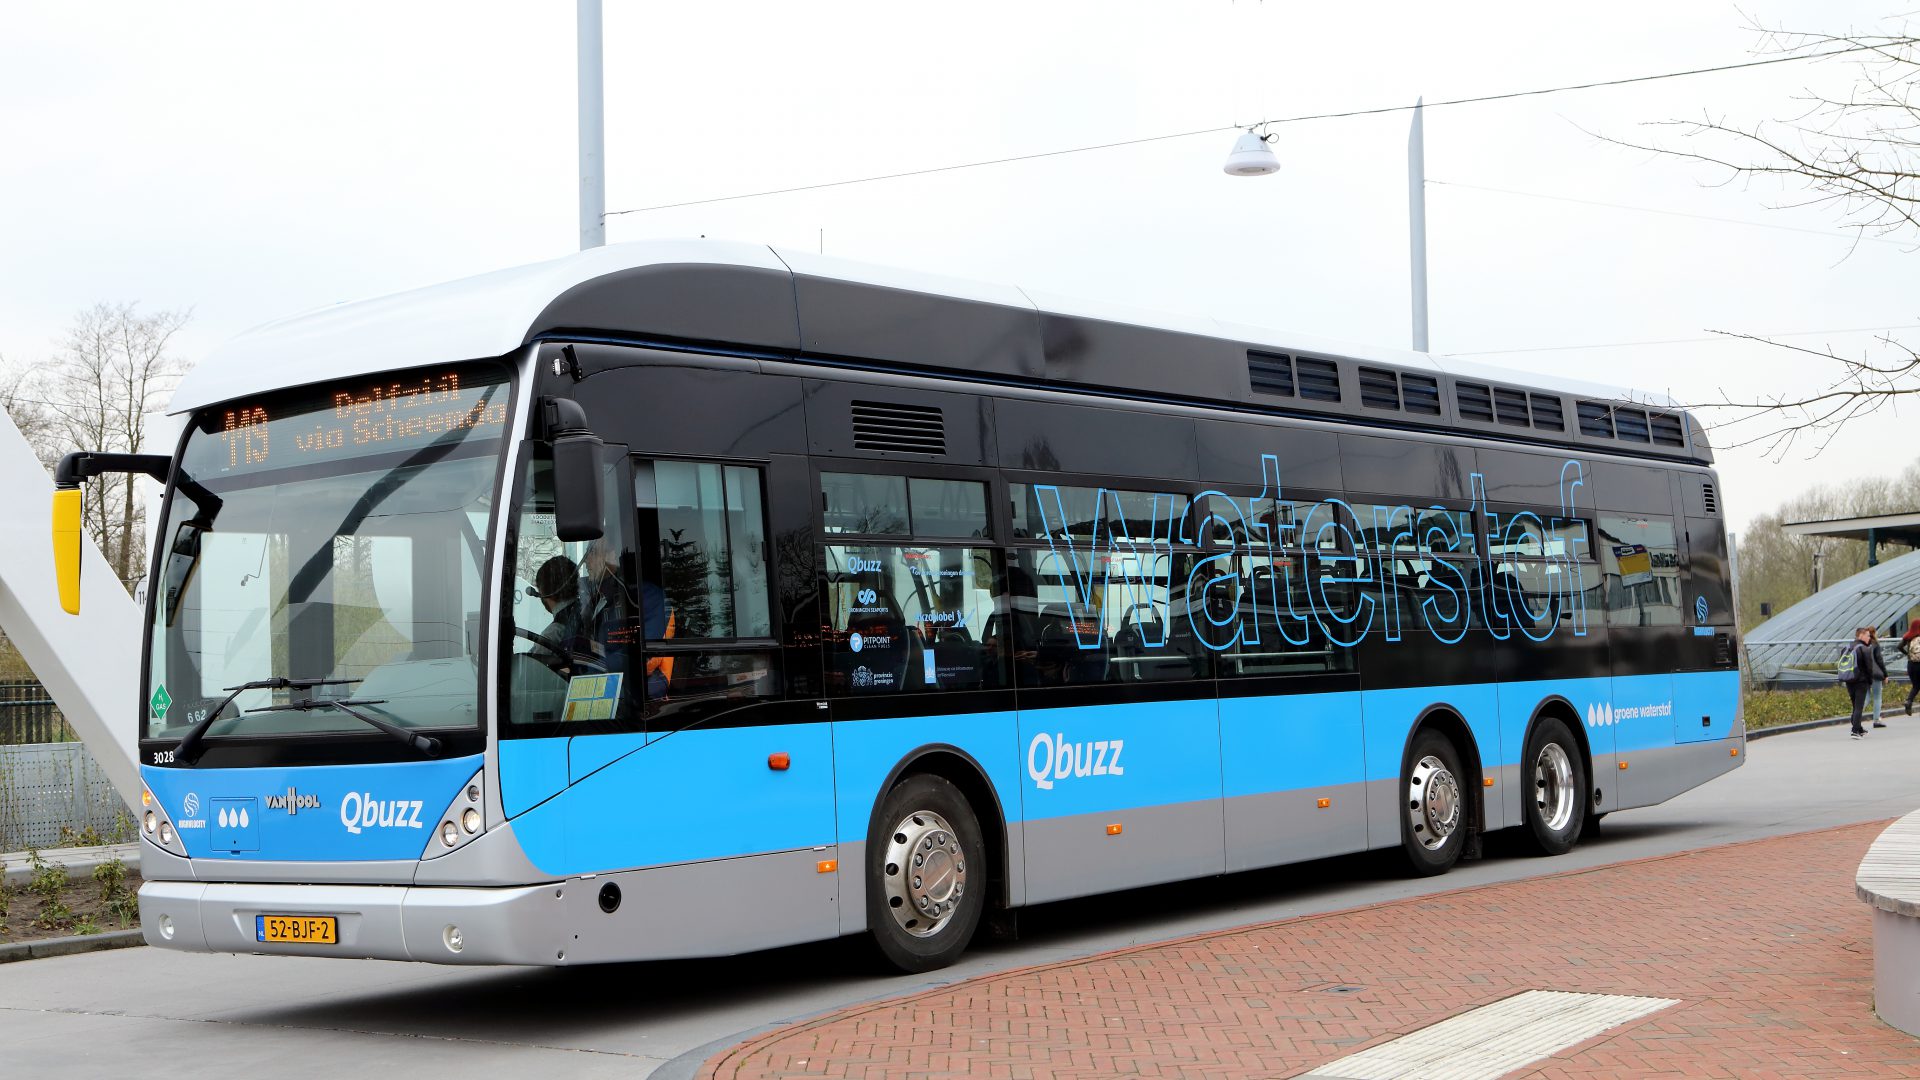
{"x": 926, "y": 875}
{"x": 1433, "y": 830}
{"x": 1556, "y": 777}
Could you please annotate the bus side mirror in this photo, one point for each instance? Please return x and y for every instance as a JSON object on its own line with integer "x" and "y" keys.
{"x": 577, "y": 471}
{"x": 66, "y": 547}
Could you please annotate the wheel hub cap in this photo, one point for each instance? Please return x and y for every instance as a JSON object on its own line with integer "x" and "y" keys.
{"x": 925, "y": 873}
{"x": 1433, "y": 802}
{"x": 1553, "y": 792}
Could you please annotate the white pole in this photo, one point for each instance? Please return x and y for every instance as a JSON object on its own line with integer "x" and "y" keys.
{"x": 593, "y": 169}
{"x": 1417, "y": 220}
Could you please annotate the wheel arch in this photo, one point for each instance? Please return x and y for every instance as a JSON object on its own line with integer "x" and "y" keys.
{"x": 1561, "y": 709}
{"x": 1448, "y": 721}
{"x": 963, "y": 771}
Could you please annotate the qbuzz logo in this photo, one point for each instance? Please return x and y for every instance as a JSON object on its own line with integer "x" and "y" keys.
{"x": 1052, "y": 757}
{"x": 858, "y": 565}
{"x": 868, "y": 596}
{"x": 363, "y": 811}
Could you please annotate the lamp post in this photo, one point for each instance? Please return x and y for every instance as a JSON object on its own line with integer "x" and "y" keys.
{"x": 1252, "y": 156}
{"x": 593, "y": 170}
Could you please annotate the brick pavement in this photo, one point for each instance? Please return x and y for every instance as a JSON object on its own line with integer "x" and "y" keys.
{"x": 1763, "y": 943}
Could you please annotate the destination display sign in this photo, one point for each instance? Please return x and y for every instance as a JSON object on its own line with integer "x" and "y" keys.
{"x": 404, "y": 412}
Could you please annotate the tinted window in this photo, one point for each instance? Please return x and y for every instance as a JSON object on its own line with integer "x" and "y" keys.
{"x": 1122, "y": 618}
{"x": 1092, "y": 514}
{"x": 864, "y": 504}
{"x": 905, "y": 619}
{"x": 1640, "y": 563}
{"x": 947, "y": 507}
{"x": 702, "y": 552}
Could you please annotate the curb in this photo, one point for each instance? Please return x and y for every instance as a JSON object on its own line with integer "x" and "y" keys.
{"x": 726, "y": 1061}
{"x": 68, "y": 946}
{"x": 1805, "y": 725}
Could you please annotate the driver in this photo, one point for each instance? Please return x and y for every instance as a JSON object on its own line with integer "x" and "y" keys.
{"x": 557, "y": 585}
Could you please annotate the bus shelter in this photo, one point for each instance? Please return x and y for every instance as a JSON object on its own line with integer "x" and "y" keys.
{"x": 1801, "y": 644}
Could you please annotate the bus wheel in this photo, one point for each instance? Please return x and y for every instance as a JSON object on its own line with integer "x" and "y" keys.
{"x": 1556, "y": 808}
{"x": 926, "y": 872}
{"x": 1434, "y": 830}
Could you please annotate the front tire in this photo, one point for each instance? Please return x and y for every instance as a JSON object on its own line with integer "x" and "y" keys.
{"x": 1433, "y": 831}
{"x": 1556, "y": 802}
{"x": 926, "y": 875}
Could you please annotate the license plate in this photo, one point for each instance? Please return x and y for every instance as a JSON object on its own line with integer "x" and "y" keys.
{"x": 299, "y": 929}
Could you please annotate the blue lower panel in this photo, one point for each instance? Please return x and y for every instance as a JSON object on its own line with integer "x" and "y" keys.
{"x": 866, "y": 752}
{"x": 692, "y": 795}
{"x": 316, "y": 813}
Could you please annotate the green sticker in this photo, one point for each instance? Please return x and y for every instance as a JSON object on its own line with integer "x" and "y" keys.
{"x": 159, "y": 701}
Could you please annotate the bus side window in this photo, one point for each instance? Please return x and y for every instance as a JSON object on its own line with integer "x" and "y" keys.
{"x": 705, "y": 610}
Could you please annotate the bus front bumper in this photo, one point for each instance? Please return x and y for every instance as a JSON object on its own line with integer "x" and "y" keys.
{"x": 520, "y": 925}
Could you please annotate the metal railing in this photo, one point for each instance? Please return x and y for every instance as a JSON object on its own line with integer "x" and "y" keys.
{"x": 28, "y": 715}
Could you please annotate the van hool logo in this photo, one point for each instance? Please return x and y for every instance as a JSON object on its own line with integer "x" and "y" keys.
{"x": 1052, "y": 757}
{"x": 293, "y": 802}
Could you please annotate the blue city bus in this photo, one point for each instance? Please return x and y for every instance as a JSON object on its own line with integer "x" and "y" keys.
{"x": 684, "y": 599}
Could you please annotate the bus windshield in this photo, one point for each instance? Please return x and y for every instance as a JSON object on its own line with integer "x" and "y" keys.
{"x": 335, "y": 533}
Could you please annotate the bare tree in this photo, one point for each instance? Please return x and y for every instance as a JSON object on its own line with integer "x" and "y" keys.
{"x": 113, "y": 369}
{"x": 1858, "y": 155}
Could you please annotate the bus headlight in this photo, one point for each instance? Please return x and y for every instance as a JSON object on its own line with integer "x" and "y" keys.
{"x": 464, "y": 818}
{"x": 157, "y": 828}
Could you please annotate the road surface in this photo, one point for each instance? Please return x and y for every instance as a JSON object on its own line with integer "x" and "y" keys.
{"x": 148, "y": 1013}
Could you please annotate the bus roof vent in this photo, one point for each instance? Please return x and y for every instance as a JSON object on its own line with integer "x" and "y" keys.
{"x": 1596, "y": 420}
{"x": 1319, "y": 379}
{"x": 1270, "y": 373}
{"x": 1474, "y": 401}
{"x": 1667, "y": 430}
{"x": 901, "y": 429}
{"x": 1631, "y": 424}
{"x": 1379, "y": 388}
{"x": 1546, "y": 412}
{"x": 1422, "y": 393}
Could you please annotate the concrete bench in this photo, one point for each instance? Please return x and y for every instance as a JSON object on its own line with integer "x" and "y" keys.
{"x": 1889, "y": 879}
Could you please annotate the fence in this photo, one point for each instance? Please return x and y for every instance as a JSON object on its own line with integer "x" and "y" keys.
{"x": 28, "y": 715}
{"x": 47, "y": 778}
{"x": 45, "y": 786}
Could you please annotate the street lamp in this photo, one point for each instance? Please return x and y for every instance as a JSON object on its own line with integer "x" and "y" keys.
{"x": 1251, "y": 156}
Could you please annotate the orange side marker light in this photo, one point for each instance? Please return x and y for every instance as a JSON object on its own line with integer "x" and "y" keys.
{"x": 779, "y": 761}
{"x": 1733, "y": 751}
{"x": 1623, "y": 766}
{"x": 1488, "y": 782}
{"x": 1324, "y": 803}
{"x": 826, "y": 866}
{"x": 1113, "y": 829}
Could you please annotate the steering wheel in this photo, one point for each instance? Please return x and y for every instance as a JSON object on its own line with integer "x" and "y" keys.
{"x": 551, "y": 654}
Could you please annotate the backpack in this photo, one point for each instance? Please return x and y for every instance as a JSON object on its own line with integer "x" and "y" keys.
{"x": 1848, "y": 662}
{"x": 1910, "y": 648}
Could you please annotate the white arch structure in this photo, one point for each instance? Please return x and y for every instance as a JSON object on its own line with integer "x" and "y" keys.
{"x": 88, "y": 662}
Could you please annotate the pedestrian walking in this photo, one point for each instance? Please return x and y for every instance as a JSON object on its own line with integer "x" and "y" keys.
{"x": 1910, "y": 648}
{"x": 1878, "y": 676}
{"x": 1856, "y": 671}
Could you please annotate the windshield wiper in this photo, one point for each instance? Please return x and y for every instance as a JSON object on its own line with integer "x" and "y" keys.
{"x": 426, "y": 744}
{"x": 188, "y": 749}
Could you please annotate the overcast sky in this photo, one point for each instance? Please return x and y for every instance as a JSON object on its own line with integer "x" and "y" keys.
{"x": 249, "y": 161}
